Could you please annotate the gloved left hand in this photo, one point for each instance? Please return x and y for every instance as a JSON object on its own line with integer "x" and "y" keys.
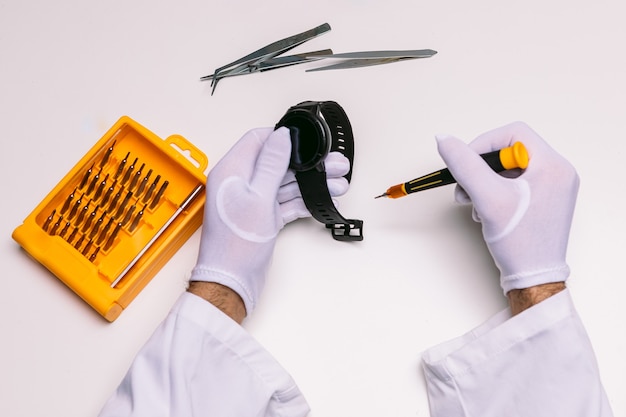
{"x": 251, "y": 195}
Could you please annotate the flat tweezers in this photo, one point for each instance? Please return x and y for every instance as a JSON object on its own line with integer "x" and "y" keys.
{"x": 369, "y": 58}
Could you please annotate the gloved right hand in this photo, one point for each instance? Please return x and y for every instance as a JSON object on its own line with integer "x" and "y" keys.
{"x": 525, "y": 220}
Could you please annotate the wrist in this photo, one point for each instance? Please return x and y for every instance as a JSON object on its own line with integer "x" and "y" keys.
{"x": 524, "y": 298}
{"x": 222, "y": 297}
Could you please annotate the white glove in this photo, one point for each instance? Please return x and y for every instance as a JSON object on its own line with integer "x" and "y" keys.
{"x": 525, "y": 220}
{"x": 251, "y": 195}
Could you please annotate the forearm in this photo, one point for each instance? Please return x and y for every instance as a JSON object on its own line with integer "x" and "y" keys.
{"x": 522, "y": 299}
{"x": 222, "y": 297}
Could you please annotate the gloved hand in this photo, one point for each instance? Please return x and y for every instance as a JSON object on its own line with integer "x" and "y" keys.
{"x": 525, "y": 220}
{"x": 251, "y": 195}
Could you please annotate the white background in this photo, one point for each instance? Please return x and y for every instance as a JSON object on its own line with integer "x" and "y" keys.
{"x": 349, "y": 321}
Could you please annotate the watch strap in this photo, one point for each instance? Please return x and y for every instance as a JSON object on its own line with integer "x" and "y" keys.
{"x": 312, "y": 183}
{"x": 341, "y": 131}
{"x": 320, "y": 204}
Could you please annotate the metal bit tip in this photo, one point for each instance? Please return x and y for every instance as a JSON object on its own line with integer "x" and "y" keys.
{"x": 382, "y": 195}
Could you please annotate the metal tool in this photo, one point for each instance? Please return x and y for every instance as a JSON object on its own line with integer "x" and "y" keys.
{"x": 76, "y": 206}
{"x": 136, "y": 177}
{"x": 143, "y": 183}
{"x": 49, "y": 220}
{"x": 129, "y": 214}
{"x": 159, "y": 194}
{"x": 87, "y": 247}
{"x": 96, "y": 227}
{"x": 93, "y": 183}
{"x": 65, "y": 228}
{"x": 83, "y": 182}
{"x": 107, "y": 195}
{"x": 138, "y": 217}
{"x": 94, "y": 254}
{"x": 111, "y": 238}
{"x": 107, "y": 155}
{"x": 115, "y": 200}
{"x": 122, "y": 207}
{"x": 100, "y": 188}
{"x": 129, "y": 171}
{"x": 80, "y": 242}
{"x": 369, "y": 58}
{"x": 250, "y": 62}
{"x": 105, "y": 231}
{"x": 56, "y": 225}
{"x": 148, "y": 194}
{"x": 272, "y": 63}
{"x": 82, "y": 213}
{"x": 72, "y": 235}
{"x": 68, "y": 200}
{"x": 89, "y": 219}
{"x": 120, "y": 169}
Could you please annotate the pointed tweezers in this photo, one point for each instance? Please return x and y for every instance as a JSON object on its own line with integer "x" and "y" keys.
{"x": 369, "y": 58}
{"x": 269, "y": 51}
{"x": 272, "y": 63}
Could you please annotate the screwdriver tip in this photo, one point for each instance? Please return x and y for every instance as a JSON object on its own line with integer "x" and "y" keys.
{"x": 382, "y": 195}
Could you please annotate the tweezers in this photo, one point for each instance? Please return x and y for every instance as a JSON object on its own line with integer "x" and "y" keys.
{"x": 270, "y": 64}
{"x": 252, "y": 62}
{"x": 369, "y": 58}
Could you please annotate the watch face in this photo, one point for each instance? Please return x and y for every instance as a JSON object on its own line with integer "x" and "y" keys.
{"x": 309, "y": 139}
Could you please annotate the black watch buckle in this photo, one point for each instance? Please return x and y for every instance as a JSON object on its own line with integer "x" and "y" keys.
{"x": 351, "y": 231}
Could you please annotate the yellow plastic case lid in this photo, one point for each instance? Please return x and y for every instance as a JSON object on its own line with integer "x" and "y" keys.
{"x": 119, "y": 215}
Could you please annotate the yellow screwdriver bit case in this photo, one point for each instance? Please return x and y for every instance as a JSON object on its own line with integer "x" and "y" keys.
{"x": 119, "y": 215}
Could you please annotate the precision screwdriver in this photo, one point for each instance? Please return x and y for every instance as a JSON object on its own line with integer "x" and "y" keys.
{"x": 515, "y": 156}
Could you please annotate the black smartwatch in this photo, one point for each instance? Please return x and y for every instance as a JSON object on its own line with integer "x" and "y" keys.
{"x": 317, "y": 128}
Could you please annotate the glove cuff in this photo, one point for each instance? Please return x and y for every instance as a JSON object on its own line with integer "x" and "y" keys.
{"x": 205, "y": 274}
{"x": 531, "y": 279}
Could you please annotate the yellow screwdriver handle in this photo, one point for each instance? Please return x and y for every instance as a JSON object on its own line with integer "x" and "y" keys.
{"x": 515, "y": 156}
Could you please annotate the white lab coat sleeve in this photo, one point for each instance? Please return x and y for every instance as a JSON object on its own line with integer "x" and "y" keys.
{"x": 537, "y": 363}
{"x": 199, "y": 362}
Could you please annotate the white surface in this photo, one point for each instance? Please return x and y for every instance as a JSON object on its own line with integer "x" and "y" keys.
{"x": 351, "y": 330}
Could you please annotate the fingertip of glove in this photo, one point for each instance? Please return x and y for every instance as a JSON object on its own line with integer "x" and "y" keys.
{"x": 336, "y": 164}
{"x": 446, "y": 141}
{"x": 280, "y": 141}
{"x": 293, "y": 209}
{"x": 442, "y": 137}
{"x": 461, "y": 196}
{"x": 447, "y": 145}
{"x": 283, "y": 130}
{"x": 258, "y": 133}
{"x": 338, "y": 186}
{"x": 281, "y": 135}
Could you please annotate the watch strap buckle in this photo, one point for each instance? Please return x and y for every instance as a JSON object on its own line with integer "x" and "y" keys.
{"x": 350, "y": 231}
